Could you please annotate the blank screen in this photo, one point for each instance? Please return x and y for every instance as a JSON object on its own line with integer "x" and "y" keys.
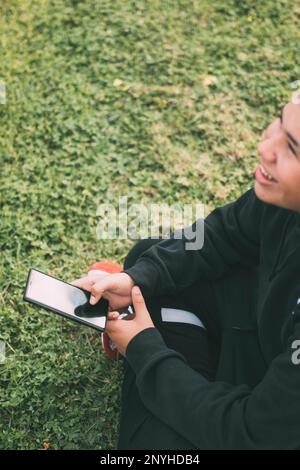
{"x": 66, "y": 299}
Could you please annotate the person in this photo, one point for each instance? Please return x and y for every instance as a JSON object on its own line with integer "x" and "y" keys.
{"x": 232, "y": 379}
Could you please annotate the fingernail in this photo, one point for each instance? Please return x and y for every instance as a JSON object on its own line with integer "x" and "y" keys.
{"x": 92, "y": 300}
{"x": 136, "y": 290}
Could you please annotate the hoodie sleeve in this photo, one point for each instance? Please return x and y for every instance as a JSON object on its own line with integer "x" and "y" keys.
{"x": 218, "y": 415}
{"x": 231, "y": 237}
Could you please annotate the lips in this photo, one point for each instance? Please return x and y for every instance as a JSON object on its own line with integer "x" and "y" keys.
{"x": 263, "y": 180}
{"x": 266, "y": 174}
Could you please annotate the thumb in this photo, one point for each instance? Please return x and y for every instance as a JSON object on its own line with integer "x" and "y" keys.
{"x": 138, "y": 300}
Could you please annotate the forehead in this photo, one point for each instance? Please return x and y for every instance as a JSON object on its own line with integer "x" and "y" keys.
{"x": 291, "y": 119}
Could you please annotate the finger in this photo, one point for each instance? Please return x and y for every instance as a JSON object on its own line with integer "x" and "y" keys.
{"x": 91, "y": 276}
{"x": 111, "y": 326}
{"x": 113, "y": 315}
{"x": 138, "y": 299}
{"x": 97, "y": 273}
{"x": 76, "y": 282}
{"x": 83, "y": 282}
{"x": 99, "y": 288}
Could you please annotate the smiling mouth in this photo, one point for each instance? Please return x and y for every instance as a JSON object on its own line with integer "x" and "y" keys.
{"x": 266, "y": 174}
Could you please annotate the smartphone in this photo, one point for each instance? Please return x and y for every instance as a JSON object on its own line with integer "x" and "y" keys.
{"x": 65, "y": 299}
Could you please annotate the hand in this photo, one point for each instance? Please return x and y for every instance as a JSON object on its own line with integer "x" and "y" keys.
{"x": 122, "y": 331}
{"x": 116, "y": 288}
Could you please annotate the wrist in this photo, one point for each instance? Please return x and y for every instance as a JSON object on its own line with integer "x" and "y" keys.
{"x": 131, "y": 280}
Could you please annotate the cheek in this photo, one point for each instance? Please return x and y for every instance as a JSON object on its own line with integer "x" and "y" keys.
{"x": 289, "y": 180}
{"x": 288, "y": 172}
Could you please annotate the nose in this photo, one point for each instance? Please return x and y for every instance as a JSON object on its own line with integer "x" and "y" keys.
{"x": 267, "y": 149}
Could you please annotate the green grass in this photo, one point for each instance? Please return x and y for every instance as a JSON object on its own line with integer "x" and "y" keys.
{"x": 156, "y": 100}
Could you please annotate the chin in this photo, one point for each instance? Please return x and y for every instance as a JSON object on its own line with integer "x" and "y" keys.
{"x": 283, "y": 202}
{"x": 267, "y": 196}
{"x": 263, "y": 194}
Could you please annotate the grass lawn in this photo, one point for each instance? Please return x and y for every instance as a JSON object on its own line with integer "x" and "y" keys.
{"x": 161, "y": 101}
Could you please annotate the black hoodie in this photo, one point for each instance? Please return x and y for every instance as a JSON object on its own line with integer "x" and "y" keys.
{"x": 227, "y": 413}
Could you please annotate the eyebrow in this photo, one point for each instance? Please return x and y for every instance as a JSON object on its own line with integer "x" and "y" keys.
{"x": 292, "y": 139}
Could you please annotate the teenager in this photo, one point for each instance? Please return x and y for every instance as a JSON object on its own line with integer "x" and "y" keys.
{"x": 232, "y": 379}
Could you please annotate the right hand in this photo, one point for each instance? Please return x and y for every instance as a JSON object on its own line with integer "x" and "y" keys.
{"x": 116, "y": 288}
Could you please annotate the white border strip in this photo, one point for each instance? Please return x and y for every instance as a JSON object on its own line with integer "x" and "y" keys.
{"x": 181, "y": 316}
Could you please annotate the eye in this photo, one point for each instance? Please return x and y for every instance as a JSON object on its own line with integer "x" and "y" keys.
{"x": 292, "y": 150}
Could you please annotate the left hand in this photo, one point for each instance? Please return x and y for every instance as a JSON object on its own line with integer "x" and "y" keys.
{"x": 122, "y": 331}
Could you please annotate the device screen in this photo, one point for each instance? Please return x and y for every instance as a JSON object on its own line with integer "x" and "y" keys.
{"x": 66, "y": 299}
